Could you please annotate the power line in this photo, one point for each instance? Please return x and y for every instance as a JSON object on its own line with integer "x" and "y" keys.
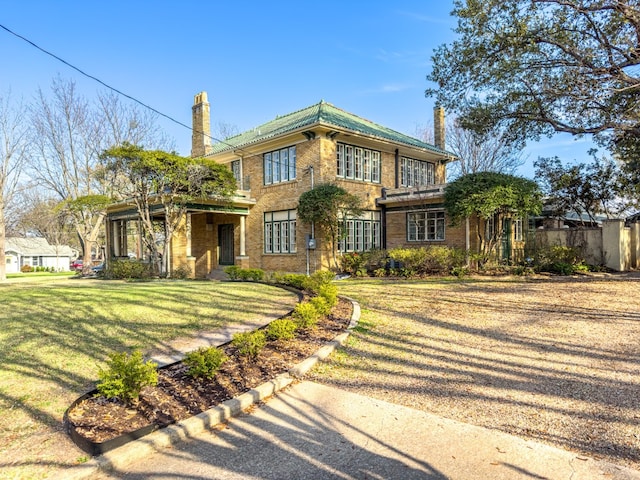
{"x": 119, "y": 92}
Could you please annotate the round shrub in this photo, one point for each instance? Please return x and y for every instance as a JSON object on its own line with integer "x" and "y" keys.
{"x": 305, "y": 315}
{"x": 249, "y": 344}
{"x": 204, "y": 362}
{"x": 282, "y": 329}
{"x": 125, "y": 376}
{"x": 330, "y": 293}
{"x": 321, "y": 305}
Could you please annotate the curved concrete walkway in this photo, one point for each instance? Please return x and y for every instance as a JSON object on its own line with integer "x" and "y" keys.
{"x": 304, "y": 430}
{"x": 311, "y": 431}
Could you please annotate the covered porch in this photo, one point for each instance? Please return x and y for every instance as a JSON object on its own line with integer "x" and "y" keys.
{"x": 211, "y": 235}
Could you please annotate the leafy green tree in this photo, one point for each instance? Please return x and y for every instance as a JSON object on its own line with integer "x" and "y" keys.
{"x": 586, "y": 189}
{"x": 536, "y": 67}
{"x": 325, "y": 206}
{"x": 155, "y": 177}
{"x": 490, "y": 195}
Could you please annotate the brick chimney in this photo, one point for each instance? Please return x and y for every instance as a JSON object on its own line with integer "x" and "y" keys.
{"x": 438, "y": 127}
{"x": 201, "y": 124}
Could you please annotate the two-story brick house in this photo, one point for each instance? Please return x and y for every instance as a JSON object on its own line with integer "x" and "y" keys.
{"x": 400, "y": 180}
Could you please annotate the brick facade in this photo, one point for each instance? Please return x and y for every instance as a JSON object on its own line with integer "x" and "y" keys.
{"x": 197, "y": 245}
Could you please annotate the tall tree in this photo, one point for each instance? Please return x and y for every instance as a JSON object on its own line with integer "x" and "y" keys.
{"x": 490, "y": 196}
{"x": 70, "y": 133}
{"x": 477, "y": 152}
{"x": 45, "y": 217}
{"x": 325, "y": 206}
{"x": 155, "y": 177}
{"x": 586, "y": 189}
{"x": 537, "y": 67}
{"x": 13, "y": 154}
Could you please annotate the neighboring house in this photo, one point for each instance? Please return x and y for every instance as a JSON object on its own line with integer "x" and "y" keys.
{"x": 36, "y": 252}
{"x": 400, "y": 180}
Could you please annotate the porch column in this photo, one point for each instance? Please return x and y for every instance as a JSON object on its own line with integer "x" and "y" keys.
{"x": 243, "y": 248}
{"x": 188, "y": 229}
{"x": 191, "y": 260}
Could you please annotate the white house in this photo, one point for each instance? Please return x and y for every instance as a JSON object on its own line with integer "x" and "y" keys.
{"x": 36, "y": 252}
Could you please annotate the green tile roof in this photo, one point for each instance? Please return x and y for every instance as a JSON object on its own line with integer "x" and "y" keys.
{"x": 322, "y": 113}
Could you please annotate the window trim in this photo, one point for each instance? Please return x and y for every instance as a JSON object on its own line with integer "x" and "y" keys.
{"x": 416, "y": 173}
{"x": 433, "y": 222}
{"x": 363, "y": 232}
{"x": 275, "y": 170}
{"x": 277, "y": 230}
{"x": 357, "y": 163}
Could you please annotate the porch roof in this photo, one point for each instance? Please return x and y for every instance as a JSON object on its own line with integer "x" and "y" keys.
{"x": 237, "y": 205}
{"x": 411, "y": 195}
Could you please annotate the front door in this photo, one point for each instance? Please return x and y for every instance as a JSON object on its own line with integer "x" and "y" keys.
{"x": 225, "y": 244}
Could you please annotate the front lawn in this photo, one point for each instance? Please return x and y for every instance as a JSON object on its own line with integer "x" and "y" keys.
{"x": 55, "y": 335}
{"x": 553, "y": 359}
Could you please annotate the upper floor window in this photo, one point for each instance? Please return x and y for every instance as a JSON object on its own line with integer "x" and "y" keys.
{"x": 237, "y": 172}
{"x": 356, "y": 163}
{"x": 425, "y": 226}
{"x": 280, "y": 165}
{"x": 415, "y": 173}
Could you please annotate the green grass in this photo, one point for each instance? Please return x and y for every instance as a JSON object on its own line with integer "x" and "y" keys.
{"x": 55, "y": 335}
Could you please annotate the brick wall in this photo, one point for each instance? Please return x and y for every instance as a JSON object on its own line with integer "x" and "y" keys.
{"x": 319, "y": 153}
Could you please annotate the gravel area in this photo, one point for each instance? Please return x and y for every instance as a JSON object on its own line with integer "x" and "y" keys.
{"x": 554, "y": 359}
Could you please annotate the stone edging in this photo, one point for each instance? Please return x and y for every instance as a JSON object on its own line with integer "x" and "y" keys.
{"x": 184, "y": 429}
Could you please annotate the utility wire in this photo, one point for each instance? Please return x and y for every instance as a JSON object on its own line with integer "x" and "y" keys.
{"x": 112, "y": 88}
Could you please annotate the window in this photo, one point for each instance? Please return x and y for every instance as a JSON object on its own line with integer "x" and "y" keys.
{"x": 415, "y": 173}
{"x": 360, "y": 234}
{"x": 237, "y": 174}
{"x": 356, "y": 163}
{"x": 490, "y": 228}
{"x": 518, "y": 235}
{"x": 425, "y": 226}
{"x": 280, "y": 165}
{"x": 280, "y": 232}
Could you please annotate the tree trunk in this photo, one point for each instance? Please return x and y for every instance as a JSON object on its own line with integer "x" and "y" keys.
{"x": 3, "y": 261}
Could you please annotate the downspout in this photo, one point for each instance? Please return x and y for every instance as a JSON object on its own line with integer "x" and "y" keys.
{"x": 397, "y": 172}
{"x": 313, "y": 225}
{"x": 467, "y": 239}
{"x": 383, "y": 221}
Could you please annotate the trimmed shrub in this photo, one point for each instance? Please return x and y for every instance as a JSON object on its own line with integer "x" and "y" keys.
{"x": 321, "y": 305}
{"x": 182, "y": 272}
{"x": 313, "y": 282}
{"x": 305, "y": 315}
{"x": 560, "y": 259}
{"x": 249, "y": 344}
{"x": 251, "y": 274}
{"x": 26, "y": 269}
{"x": 330, "y": 293}
{"x": 281, "y": 329}
{"x": 128, "y": 269}
{"x": 204, "y": 362}
{"x": 429, "y": 260}
{"x": 126, "y": 375}
{"x": 233, "y": 271}
{"x": 295, "y": 280}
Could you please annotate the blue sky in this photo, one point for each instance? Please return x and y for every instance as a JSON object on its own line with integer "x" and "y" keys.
{"x": 255, "y": 59}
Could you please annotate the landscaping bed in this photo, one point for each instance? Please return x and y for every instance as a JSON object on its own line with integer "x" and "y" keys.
{"x": 179, "y": 395}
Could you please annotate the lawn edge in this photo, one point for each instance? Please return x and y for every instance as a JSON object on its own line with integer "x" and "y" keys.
{"x": 185, "y": 429}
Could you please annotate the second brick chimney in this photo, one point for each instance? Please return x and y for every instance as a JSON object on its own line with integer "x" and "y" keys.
{"x": 438, "y": 127}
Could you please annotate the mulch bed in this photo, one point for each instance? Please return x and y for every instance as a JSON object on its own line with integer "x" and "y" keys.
{"x": 178, "y": 396}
